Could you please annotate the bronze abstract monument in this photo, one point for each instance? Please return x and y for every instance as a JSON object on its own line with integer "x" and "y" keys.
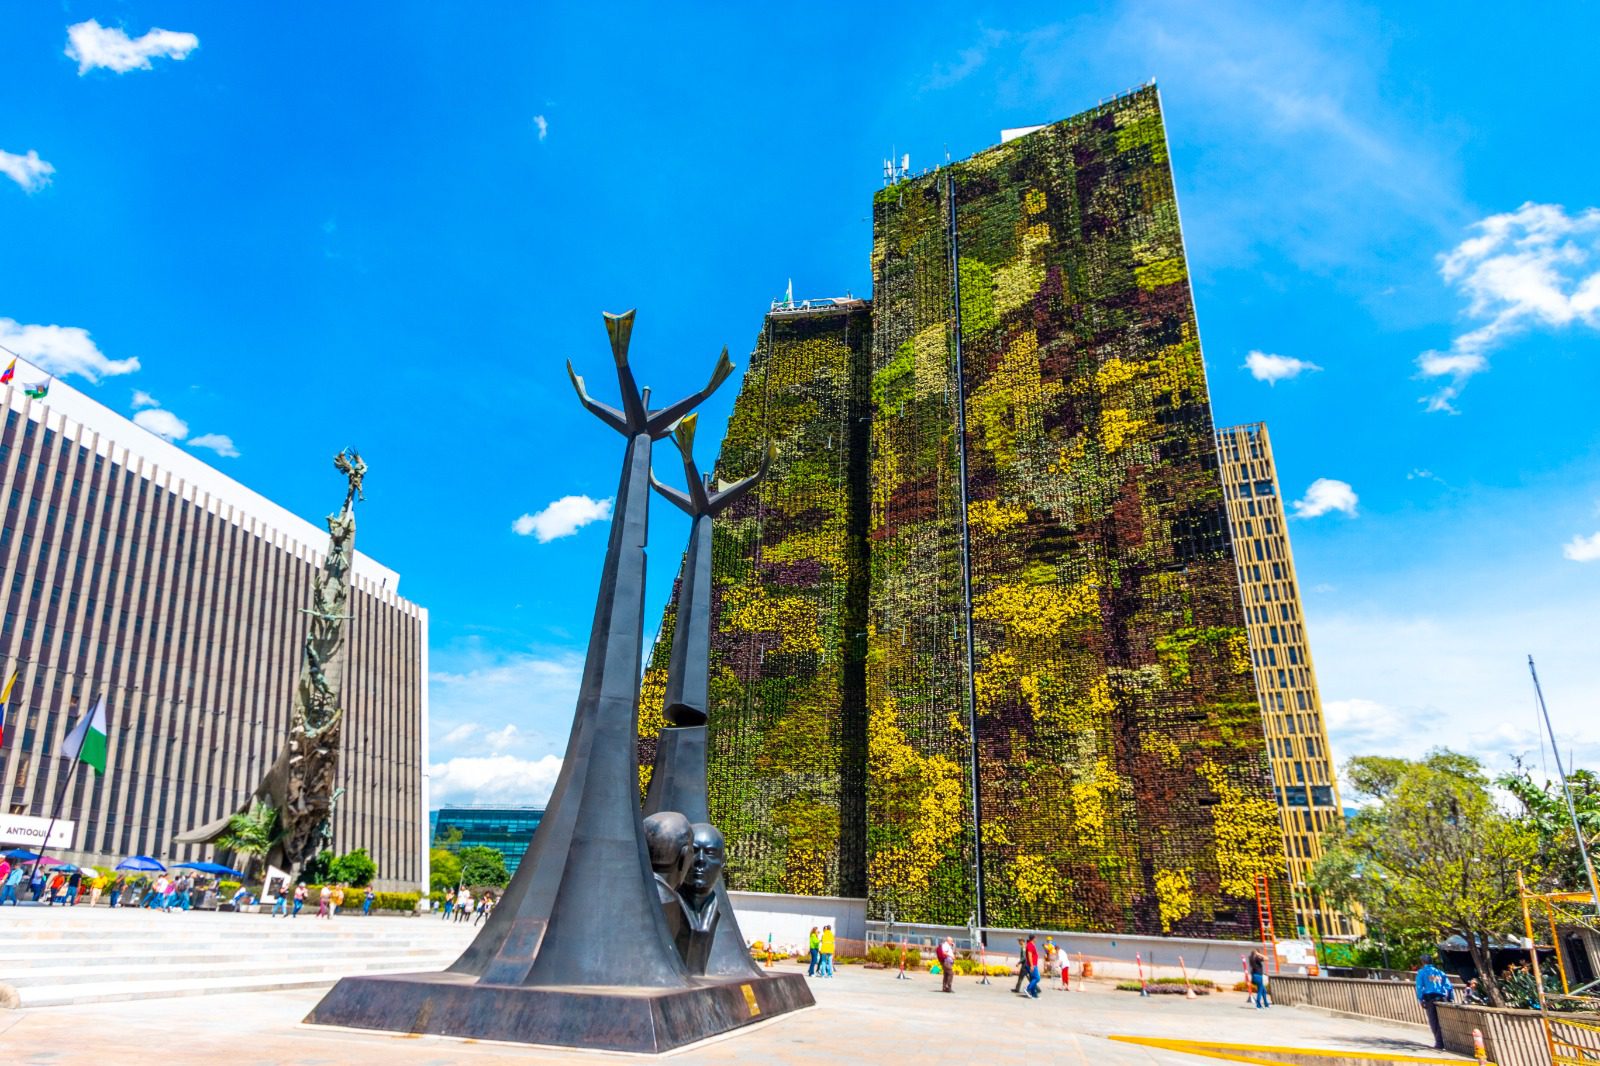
{"x": 299, "y": 786}
{"x": 546, "y": 968}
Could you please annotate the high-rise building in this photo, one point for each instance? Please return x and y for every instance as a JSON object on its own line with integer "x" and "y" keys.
{"x": 1286, "y": 680}
{"x": 508, "y": 830}
{"x": 135, "y": 572}
{"x": 1050, "y": 719}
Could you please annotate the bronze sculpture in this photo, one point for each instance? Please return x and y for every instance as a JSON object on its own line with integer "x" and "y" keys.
{"x": 300, "y": 784}
{"x": 542, "y": 970}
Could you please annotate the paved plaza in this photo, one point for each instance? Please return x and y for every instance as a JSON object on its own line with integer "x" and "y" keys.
{"x": 862, "y": 1016}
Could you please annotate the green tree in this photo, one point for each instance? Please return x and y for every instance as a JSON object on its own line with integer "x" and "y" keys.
{"x": 1431, "y": 853}
{"x": 318, "y": 871}
{"x": 354, "y": 868}
{"x": 444, "y": 870}
{"x": 251, "y": 833}
{"x": 1544, "y": 808}
{"x": 483, "y": 866}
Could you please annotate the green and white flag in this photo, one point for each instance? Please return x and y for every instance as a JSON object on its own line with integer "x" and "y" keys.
{"x": 87, "y": 741}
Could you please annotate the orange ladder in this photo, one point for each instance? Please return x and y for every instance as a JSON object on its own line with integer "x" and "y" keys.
{"x": 1269, "y": 935}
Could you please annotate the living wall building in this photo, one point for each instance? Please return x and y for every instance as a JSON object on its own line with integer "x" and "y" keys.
{"x": 980, "y": 649}
{"x": 134, "y": 571}
{"x": 1286, "y": 679}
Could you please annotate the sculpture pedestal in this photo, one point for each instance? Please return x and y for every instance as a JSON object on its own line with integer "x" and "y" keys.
{"x": 649, "y": 1020}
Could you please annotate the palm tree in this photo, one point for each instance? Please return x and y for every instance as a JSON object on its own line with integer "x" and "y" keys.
{"x": 251, "y": 833}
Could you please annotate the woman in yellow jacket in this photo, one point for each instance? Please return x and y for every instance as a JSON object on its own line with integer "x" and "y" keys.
{"x": 825, "y": 947}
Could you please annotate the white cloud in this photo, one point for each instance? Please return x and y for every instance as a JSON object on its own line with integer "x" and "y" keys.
{"x": 1264, "y": 366}
{"x": 462, "y": 732}
{"x": 1532, "y": 267}
{"x": 562, "y": 518}
{"x": 162, "y": 423}
{"x": 486, "y": 702}
{"x": 492, "y": 779}
{"x": 28, "y": 171}
{"x": 94, "y": 45}
{"x": 144, "y": 399}
{"x": 1582, "y": 549}
{"x": 1325, "y": 495}
{"x": 543, "y": 125}
{"x": 220, "y": 443}
{"x": 62, "y": 350}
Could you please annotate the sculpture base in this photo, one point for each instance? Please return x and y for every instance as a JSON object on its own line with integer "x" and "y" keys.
{"x": 649, "y": 1020}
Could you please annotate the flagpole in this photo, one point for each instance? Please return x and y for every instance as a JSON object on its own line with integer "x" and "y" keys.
{"x": 61, "y": 794}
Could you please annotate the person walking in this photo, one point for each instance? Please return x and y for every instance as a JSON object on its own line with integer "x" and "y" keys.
{"x": 366, "y": 902}
{"x": 1033, "y": 967}
{"x": 1066, "y": 972}
{"x": 281, "y": 904}
{"x": 1258, "y": 978}
{"x": 463, "y": 904}
{"x": 324, "y": 897}
{"x": 116, "y": 890}
{"x": 168, "y": 893}
{"x": 449, "y": 905}
{"x": 1022, "y": 965}
{"x": 1433, "y": 988}
{"x": 825, "y": 950}
{"x": 8, "y": 889}
{"x": 336, "y": 897}
{"x": 299, "y": 900}
{"x": 485, "y": 908}
{"x": 946, "y": 954}
{"x": 811, "y": 971}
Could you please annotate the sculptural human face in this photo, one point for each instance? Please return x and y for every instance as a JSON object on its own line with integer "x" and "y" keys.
{"x": 670, "y": 839}
{"x": 709, "y": 855}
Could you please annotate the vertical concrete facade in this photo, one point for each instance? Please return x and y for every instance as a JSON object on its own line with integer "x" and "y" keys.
{"x": 1286, "y": 680}
{"x": 135, "y": 571}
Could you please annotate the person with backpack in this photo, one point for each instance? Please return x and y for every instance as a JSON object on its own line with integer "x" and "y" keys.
{"x": 1433, "y": 988}
{"x": 946, "y": 953}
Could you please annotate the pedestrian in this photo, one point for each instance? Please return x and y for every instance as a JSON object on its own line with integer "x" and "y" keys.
{"x": 168, "y": 894}
{"x": 241, "y": 897}
{"x": 366, "y": 902}
{"x": 825, "y": 950}
{"x": 485, "y": 907}
{"x": 8, "y": 889}
{"x": 449, "y": 905}
{"x": 299, "y": 900}
{"x": 58, "y": 883}
{"x": 1258, "y": 977}
{"x": 946, "y": 953}
{"x": 463, "y": 903}
{"x": 116, "y": 890}
{"x": 281, "y": 904}
{"x": 337, "y": 899}
{"x": 323, "y": 898}
{"x": 1033, "y": 968}
{"x": 5, "y": 869}
{"x": 814, "y": 940}
{"x": 1050, "y": 961}
{"x": 1433, "y": 988}
{"x": 1022, "y": 965}
{"x": 1066, "y": 972}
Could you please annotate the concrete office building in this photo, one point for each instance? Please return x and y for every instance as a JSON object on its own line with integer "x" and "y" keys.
{"x": 1286, "y": 681}
{"x": 134, "y": 570}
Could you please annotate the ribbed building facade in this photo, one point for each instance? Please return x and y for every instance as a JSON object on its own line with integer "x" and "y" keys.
{"x": 1286, "y": 681}
{"x": 135, "y": 571}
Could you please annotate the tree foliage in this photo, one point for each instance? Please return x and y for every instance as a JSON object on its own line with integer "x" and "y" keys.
{"x": 1431, "y": 854}
{"x": 444, "y": 870}
{"x": 251, "y": 833}
{"x": 354, "y": 868}
{"x": 318, "y": 871}
{"x": 483, "y": 866}
{"x": 1545, "y": 811}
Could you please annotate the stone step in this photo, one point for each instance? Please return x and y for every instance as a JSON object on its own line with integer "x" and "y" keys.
{"x": 142, "y": 975}
{"x": 43, "y": 968}
{"x": 111, "y": 991}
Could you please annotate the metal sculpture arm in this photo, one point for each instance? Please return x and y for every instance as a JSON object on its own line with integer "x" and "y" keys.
{"x": 700, "y": 499}
{"x": 636, "y": 416}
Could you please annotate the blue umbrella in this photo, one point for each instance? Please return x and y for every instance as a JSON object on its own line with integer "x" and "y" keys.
{"x": 208, "y": 868}
{"x": 140, "y": 862}
{"x": 22, "y": 855}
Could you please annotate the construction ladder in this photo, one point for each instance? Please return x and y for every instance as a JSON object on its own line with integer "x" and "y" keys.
{"x": 1269, "y": 936}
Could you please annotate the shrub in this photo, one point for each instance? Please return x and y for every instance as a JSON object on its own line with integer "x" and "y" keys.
{"x": 1164, "y": 988}
{"x": 394, "y": 901}
{"x": 226, "y": 889}
{"x": 354, "y": 868}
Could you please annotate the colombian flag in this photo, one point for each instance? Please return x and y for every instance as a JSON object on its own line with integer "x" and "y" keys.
{"x": 5, "y": 700}
{"x": 10, "y": 372}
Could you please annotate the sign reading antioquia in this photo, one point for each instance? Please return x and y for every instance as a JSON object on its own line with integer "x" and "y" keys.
{"x": 29, "y": 832}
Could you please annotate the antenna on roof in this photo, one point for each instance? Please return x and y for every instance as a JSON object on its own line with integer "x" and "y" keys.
{"x": 905, "y": 165}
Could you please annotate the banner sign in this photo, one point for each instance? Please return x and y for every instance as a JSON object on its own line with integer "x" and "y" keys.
{"x": 20, "y": 830}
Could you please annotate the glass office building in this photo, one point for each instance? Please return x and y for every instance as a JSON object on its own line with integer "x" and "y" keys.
{"x": 505, "y": 829}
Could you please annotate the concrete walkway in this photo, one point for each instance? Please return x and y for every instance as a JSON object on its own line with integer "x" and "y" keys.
{"x": 862, "y": 1016}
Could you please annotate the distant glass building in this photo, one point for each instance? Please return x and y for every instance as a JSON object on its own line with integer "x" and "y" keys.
{"x": 505, "y": 829}
{"x": 1286, "y": 682}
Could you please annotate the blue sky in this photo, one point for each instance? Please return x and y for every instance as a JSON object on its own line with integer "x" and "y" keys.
{"x": 389, "y": 226}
